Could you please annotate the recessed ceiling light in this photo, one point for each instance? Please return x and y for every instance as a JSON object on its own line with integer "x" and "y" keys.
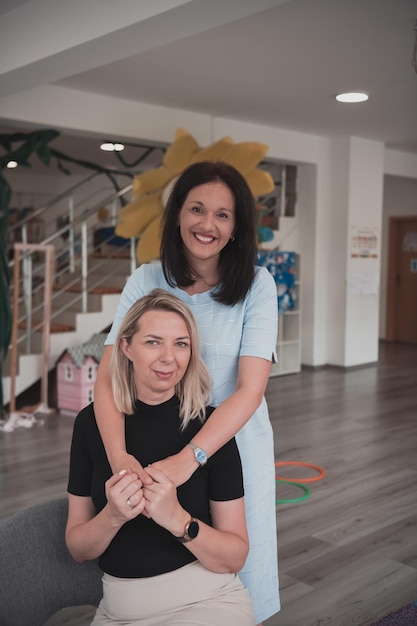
{"x": 12, "y": 164}
{"x": 352, "y": 97}
{"x": 112, "y": 147}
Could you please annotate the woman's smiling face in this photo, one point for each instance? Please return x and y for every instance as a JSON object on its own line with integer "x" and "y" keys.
{"x": 207, "y": 221}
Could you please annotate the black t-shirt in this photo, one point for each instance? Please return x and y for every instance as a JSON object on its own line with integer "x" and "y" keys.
{"x": 142, "y": 548}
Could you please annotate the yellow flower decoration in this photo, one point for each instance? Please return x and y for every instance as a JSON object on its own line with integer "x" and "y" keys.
{"x": 142, "y": 217}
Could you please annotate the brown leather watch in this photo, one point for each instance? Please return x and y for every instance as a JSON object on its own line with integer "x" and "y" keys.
{"x": 190, "y": 531}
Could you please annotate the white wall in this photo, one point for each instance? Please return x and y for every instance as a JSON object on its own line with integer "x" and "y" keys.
{"x": 307, "y": 217}
{"x": 400, "y": 163}
{"x": 365, "y": 211}
{"x": 324, "y": 192}
{"x": 400, "y": 199}
{"x": 33, "y": 190}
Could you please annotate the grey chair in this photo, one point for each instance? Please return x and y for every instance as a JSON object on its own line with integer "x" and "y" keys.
{"x": 38, "y": 576}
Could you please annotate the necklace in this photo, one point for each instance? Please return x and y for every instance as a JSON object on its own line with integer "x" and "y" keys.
{"x": 210, "y": 285}
{"x": 200, "y": 279}
{"x": 200, "y": 286}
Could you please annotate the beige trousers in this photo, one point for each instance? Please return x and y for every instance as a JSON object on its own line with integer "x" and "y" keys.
{"x": 191, "y": 595}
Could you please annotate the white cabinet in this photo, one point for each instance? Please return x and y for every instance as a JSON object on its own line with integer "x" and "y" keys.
{"x": 289, "y": 320}
{"x": 289, "y": 333}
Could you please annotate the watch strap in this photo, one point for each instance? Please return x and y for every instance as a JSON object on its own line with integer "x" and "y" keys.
{"x": 198, "y": 452}
{"x": 191, "y": 530}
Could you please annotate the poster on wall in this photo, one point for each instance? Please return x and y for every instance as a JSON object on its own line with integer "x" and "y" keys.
{"x": 364, "y": 243}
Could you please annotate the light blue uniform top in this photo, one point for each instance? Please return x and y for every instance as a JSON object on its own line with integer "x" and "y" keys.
{"x": 248, "y": 328}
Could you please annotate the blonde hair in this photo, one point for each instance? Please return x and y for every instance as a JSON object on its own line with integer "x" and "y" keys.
{"x": 194, "y": 387}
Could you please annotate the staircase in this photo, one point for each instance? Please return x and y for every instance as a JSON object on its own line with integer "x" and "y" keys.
{"x": 87, "y": 283}
{"x": 86, "y": 324}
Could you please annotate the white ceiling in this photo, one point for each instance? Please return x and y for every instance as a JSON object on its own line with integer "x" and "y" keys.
{"x": 279, "y": 67}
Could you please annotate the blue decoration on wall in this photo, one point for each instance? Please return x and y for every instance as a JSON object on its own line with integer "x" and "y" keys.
{"x": 282, "y": 267}
{"x": 265, "y": 234}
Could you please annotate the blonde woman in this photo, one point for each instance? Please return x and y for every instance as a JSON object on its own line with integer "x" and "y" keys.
{"x": 169, "y": 555}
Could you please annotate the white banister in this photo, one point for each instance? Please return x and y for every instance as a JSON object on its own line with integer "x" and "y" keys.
{"x": 84, "y": 266}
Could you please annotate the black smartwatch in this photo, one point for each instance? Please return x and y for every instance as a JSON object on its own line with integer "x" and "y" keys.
{"x": 190, "y": 531}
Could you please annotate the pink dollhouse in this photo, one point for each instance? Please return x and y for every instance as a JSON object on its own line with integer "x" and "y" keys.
{"x": 76, "y": 374}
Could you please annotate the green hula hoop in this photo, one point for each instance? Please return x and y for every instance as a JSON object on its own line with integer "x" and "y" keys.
{"x": 293, "y": 500}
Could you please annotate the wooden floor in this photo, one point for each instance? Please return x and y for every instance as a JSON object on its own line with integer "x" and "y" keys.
{"x": 348, "y": 553}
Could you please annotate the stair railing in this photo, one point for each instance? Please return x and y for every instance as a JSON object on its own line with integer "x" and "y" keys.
{"x": 70, "y": 261}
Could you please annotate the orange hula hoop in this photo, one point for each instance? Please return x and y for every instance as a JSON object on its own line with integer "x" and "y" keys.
{"x": 311, "y": 479}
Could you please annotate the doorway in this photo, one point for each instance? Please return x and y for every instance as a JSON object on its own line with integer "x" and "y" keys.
{"x": 402, "y": 280}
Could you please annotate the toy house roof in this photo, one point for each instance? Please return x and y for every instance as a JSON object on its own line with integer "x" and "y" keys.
{"x": 92, "y": 348}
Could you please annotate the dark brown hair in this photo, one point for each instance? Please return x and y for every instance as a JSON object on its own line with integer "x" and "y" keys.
{"x": 238, "y": 257}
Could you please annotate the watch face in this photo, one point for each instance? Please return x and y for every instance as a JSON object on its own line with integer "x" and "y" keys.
{"x": 201, "y": 456}
{"x": 193, "y": 529}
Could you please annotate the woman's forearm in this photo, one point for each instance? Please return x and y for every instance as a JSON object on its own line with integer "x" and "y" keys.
{"x": 88, "y": 540}
{"x": 227, "y": 419}
{"x": 225, "y": 422}
{"x": 110, "y": 420}
{"x": 219, "y": 551}
{"x": 221, "y": 427}
{"x": 233, "y": 413}
{"x": 223, "y": 547}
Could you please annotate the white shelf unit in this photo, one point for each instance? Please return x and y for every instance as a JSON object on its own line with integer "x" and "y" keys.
{"x": 289, "y": 334}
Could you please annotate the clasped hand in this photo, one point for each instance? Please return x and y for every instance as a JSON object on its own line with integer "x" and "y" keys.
{"x": 179, "y": 467}
{"x": 128, "y": 497}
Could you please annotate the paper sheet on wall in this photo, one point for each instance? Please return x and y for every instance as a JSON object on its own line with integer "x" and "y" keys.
{"x": 364, "y": 242}
{"x": 363, "y": 282}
